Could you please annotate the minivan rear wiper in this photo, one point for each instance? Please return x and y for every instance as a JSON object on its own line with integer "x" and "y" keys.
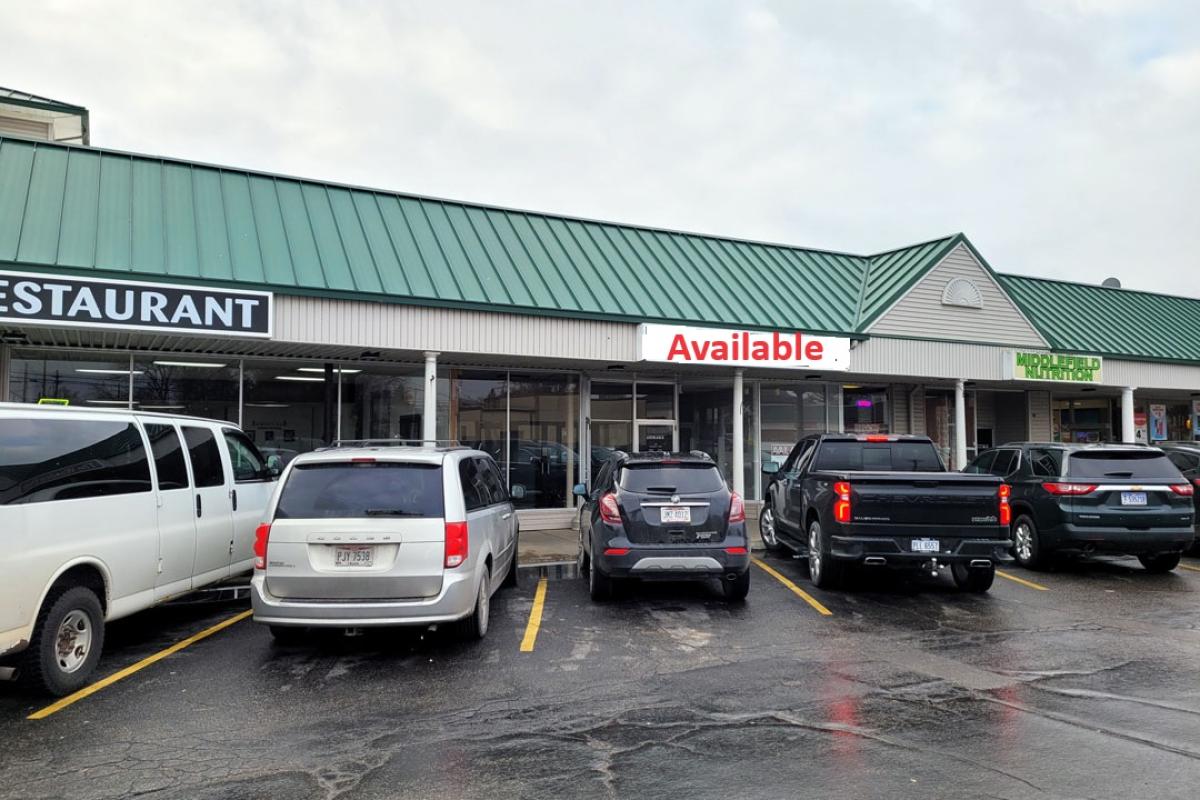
{"x": 391, "y": 512}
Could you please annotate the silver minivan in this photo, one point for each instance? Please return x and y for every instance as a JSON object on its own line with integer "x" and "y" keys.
{"x": 377, "y": 536}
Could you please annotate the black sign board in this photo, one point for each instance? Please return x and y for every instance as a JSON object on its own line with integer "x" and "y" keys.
{"x": 132, "y": 305}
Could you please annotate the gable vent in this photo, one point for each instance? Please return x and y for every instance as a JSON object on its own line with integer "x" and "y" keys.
{"x": 962, "y": 292}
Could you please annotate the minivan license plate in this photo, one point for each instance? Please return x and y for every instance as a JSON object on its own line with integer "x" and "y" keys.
{"x": 354, "y": 556}
{"x": 676, "y": 514}
{"x": 1133, "y": 498}
{"x": 926, "y": 545}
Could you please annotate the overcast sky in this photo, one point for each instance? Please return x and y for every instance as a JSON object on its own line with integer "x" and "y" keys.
{"x": 1062, "y": 136}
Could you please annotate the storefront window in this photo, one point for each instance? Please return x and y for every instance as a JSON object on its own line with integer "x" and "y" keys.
{"x": 864, "y": 409}
{"x": 179, "y": 385}
{"x": 939, "y": 424}
{"x": 96, "y": 380}
{"x": 706, "y": 424}
{"x": 382, "y": 403}
{"x": 285, "y": 410}
{"x": 655, "y": 400}
{"x": 611, "y": 412}
{"x": 790, "y": 412}
{"x": 543, "y": 451}
{"x": 1082, "y": 420}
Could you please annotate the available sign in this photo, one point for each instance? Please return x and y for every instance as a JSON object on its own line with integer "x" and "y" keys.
{"x": 1024, "y": 365}
{"x": 132, "y": 305}
{"x": 675, "y": 344}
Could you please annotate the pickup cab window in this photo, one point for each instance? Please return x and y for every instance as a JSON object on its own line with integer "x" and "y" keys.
{"x": 878, "y": 457}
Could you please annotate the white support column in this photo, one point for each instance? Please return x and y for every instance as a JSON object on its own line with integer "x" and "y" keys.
{"x": 5, "y": 366}
{"x": 1127, "y": 430}
{"x": 429, "y": 419}
{"x": 960, "y": 426}
{"x": 738, "y": 467}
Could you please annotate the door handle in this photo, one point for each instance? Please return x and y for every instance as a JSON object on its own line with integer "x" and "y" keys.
{"x": 233, "y": 496}
{"x": 506, "y": 515}
{"x": 199, "y": 507}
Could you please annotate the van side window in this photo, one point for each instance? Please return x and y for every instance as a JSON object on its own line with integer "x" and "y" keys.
{"x": 205, "y": 455}
{"x": 65, "y": 459}
{"x": 168, "y": 457}
{"x": 248, "y": 463}
{"x": 475, "y": 493}
{"x": 491, "y": 477}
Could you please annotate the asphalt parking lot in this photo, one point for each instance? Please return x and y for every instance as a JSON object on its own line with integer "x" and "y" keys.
{"x": 1082, "y": 682}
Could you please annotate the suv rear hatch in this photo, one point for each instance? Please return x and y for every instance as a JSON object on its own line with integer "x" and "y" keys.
{"x": 673, "y": 503}
{"x": 1128, "y": 489}
{"x": 358, "y": 530}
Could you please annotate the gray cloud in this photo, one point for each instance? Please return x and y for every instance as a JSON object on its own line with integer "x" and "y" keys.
{"x": 1060, "y": 135}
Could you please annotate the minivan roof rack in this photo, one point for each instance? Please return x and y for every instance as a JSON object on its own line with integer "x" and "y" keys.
{"x": 442, "y": 444}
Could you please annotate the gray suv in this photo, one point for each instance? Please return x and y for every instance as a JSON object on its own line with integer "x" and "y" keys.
{"x": 384, "y": 536}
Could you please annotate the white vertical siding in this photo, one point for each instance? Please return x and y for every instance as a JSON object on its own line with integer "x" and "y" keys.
{"x": 921, "y": 313}
{"x": 1039, "y": 416}
{"x": 918, "y": 412}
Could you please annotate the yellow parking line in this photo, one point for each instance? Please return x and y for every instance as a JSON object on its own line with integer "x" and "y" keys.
{"x": 1189, "y": 567}
{"x": 803, "y": 595}
{"x": 1023, "y": 582}
{"x": 535, "y": 618}
{"x": 145, "y": 662}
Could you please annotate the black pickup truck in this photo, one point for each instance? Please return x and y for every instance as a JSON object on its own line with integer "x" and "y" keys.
{"x": 884, "y": 501}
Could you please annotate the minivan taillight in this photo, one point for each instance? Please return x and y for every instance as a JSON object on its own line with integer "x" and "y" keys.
{"x": 1069, "y": 488}
{"x": 608, "y": 509}
{"x": 456, "y": 544}
{"x": 737, "y": 508}
{"x": 1184, "y": 489}
{"x": 1005, "y": 509}
{"x": 841, "y": 506}
{"x": 262, "y": 535}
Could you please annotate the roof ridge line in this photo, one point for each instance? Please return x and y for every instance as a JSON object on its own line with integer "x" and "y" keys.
{"x": 1191, "y": 298}
{"x": 948, "y": 236}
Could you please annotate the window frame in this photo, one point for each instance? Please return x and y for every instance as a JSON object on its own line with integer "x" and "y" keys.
{"x": 189, "y": 482}
{"x": 191, "y": 461}
{"x": 465, "y": 479}
{"x": 263, "y": 475}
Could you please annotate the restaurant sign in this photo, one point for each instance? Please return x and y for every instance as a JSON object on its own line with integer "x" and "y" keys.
{"x": 62, "y": 301}
{"x": 675, "y": 344}
{"x": 1024, "y": 365}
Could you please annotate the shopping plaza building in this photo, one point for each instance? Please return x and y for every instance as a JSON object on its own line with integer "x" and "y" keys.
{"x": 310, "y": 312}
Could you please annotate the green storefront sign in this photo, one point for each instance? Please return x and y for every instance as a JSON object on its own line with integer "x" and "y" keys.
{"x": 1062, "y": 367}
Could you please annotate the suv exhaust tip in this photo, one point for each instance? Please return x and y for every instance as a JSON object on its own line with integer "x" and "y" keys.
{"x": 8, "y": 673}
{"x": 875, "y": 561}
{"x": 979, "y": 563}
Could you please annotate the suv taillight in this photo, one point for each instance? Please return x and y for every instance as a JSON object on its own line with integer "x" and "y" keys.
{"x": 1005, "y": 509}
{"x": 737, "y": 508}
{"x": 456, "y": 544}
{"x": 841, "y": 506}
{"x": 262, "y": 534}
{"x": 608, "y": 509}
{"x": 1069, "y": 488}
{"x": 1184, "y": 489}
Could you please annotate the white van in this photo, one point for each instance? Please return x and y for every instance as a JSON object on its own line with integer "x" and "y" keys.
{"x": 104, "y": 513}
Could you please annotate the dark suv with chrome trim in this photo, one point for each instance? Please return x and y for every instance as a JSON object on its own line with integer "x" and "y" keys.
{"x": 662, "y": 516}
{"x": 1079, "y": 499}
{"x": 1186, "y": 456}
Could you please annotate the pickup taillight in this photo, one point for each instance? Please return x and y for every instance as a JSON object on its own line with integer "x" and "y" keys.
{"x": 841, "y": 506}
{"x": 1004, "y": 493}
{"x": 262, "y": 535}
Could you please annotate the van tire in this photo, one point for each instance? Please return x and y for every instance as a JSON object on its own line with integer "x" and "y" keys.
{"x": 42, "y": 669}
{"x": 287, "y": 634}
{"x": 474, "y": 627}
{"x": 510, "y": 577}
{"x": 1159, "y": 563}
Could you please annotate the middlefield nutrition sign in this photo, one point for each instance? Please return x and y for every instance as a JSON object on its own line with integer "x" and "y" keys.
{"x": 1025, "y": 365}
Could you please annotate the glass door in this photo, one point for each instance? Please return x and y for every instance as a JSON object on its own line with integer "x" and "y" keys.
{"x": 655, "y": 437}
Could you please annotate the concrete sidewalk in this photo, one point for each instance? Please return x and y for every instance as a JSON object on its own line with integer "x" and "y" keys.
{"x": 542, "y": 547}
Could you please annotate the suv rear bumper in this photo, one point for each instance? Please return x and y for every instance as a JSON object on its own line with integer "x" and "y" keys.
{"x": 1070, "y": 537}
{"x": 455, "y": 601}
{"x": 897, "y": 550}
{"x": 674, "y": 563}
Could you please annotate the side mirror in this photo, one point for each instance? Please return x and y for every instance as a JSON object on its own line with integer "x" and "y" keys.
{"x": 274, "y": 466}
{"x": 517, "y": 492}
{"x": 580, "y": 490}
{"x": 770, "y": 467}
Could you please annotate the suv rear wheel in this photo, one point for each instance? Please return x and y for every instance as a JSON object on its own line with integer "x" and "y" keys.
{"x": 823, "y": 570}
{"x": 1026, "y": 546}
{"x": 66, "y": 642}
{"x": 977, "y": 580}
{"x": 600, "y": 586}
{"x": 736, "y": 590}
{"x": 767, "y": 530}
{"x": 1159, "y": 563}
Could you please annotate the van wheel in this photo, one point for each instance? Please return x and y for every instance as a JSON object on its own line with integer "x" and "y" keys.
{"x": 976, "y": 580}
{"x": 1026, "y": 547}
{"x": 475, "y": 627}
{"x": 736, "y": 590}
{"x": 287, "y": 634}
{"x": 767, "y": 530}
{"x": 822, "y": 569}
{"x": 1159, "y": 563}
{"x": 510, "y": 577}
{"x": 67, "y": 642}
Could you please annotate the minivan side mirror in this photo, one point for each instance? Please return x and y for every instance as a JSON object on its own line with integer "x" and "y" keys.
{"x": 580, "y": 490}
{"x": 770, "y": 467}
{"x": 517, "y": 492}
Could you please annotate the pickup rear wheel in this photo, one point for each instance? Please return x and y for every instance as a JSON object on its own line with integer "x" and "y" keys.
{"x": 1159, "y": 563}
{"x": 977, "y": 580}
{"x": 767, "y": 530}
{"x": 1026, "y": 546}
{"x": 822, "y": 569}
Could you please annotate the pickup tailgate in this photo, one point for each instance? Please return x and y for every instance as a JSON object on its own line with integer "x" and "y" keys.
{"x": 933, "y": 500}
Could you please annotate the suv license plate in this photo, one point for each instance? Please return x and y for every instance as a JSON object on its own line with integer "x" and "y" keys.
{"x": 362, "y": 555}
{"x": 926, "y": 545}
{"x": 676, "y": 514}
{"x": 1133, "y": 498}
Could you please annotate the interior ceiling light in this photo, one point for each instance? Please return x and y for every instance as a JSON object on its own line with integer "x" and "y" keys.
{"x": 266, "y": 405}
{"x": 322, "y": 370}
{"x": 161, "y": 408}
{"x": 299, "y": 378}
{"x": 197, "y": 364}
{"x": 109, "y": 371}
{"x": 110, "y": 402}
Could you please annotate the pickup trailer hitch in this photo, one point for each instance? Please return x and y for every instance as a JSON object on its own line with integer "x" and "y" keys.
{"x": 933, "y": 569}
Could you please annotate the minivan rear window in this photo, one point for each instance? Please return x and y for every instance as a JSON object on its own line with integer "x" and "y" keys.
{"x": 671, "y": 479}
{"x": 357, "y": 490}
{"x": 1143, "y": 465}
{"x": 66, "y": 459}
{"x": 879, "y": 457}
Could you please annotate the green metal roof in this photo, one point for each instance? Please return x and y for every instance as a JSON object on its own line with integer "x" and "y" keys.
{"x": 1113, "y": 322}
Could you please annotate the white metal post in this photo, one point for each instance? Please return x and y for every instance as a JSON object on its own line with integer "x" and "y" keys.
{"x": 739, "y": 479}
{"x": 5, "y": 366}
{"x": 429, "y": 418}
{"x": 960, "y": 426}
{"x": 1128, "y": 434}
{"x": 241, "y": 392}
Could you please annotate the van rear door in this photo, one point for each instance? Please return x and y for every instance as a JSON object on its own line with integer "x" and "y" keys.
{"x": 211, "y": 505}
{"x": 358, "y": 530}
{"x": 176, "y": 511}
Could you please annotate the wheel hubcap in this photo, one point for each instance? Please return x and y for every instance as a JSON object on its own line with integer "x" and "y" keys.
{"x": 814, "y": 551}
{"x": 484, "y": 605}
{"x": 1024, "y": 542}
{"x": 766, "y": 528}
{"x": 74, "y": 641}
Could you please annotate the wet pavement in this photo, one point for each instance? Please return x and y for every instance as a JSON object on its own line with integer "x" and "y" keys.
{"x": 1089, "y": 687}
